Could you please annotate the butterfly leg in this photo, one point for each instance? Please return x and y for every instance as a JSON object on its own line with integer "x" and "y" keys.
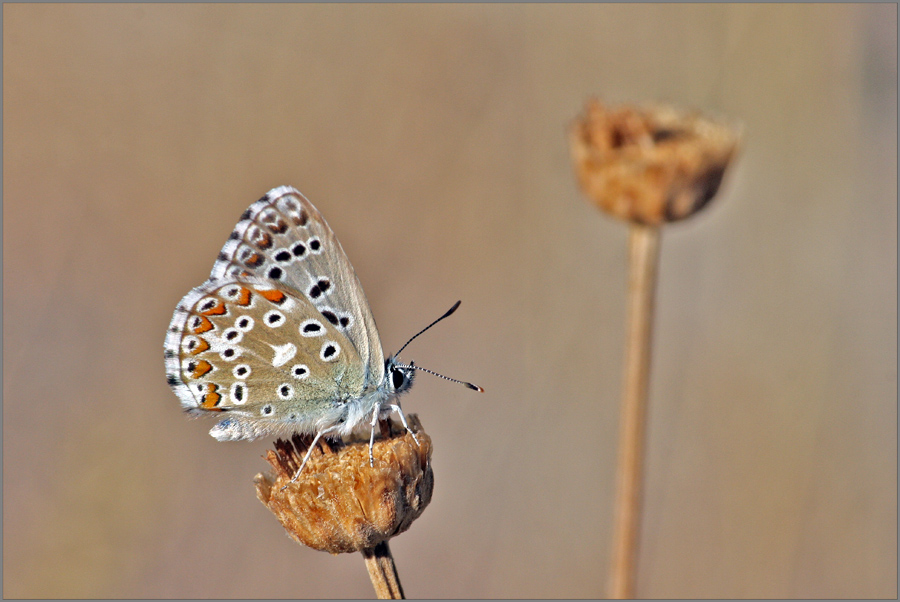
{"x": 312, "y": 446}
{"x": 395, "y": 408}
{"x": 399, "y": 411}
{"x": 372, "y": 434}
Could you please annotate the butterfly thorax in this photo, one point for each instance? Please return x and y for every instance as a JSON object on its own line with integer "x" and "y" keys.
{"x": 356, "y": 411}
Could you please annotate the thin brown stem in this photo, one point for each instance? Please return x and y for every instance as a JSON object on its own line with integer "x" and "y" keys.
{"x": 383, "y": 573}
{"x": 643, "y": 257}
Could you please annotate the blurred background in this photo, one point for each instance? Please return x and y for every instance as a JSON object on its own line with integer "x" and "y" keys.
{"x": 434, "y": 140}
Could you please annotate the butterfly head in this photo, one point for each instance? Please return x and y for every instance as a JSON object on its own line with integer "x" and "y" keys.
{"x": 399, "y": 376}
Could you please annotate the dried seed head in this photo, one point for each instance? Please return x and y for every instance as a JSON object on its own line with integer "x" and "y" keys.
{"x": 341, "y": 504}
{"x": 650, "y": 165}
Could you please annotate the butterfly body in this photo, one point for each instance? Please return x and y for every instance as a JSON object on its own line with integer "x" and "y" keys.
{"x": 280, "y": 338}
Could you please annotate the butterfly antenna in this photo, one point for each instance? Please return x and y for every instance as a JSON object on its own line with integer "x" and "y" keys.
{"x": 414, "y": 367}
{"x": 462, "y": 382}
{"x": 446, "y": 315}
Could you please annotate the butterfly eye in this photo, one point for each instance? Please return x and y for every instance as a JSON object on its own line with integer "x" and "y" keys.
{"x": 241, "y": 371}
{"x": 300, "y": 371}
{"x": 397, "y": 379}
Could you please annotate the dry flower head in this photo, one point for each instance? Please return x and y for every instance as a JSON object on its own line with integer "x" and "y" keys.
{"x": 650, "y": 164}
{"x": 341, "y": 504}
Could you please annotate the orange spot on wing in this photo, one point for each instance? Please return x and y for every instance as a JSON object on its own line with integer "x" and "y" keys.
{"x": 278, "y": 226}
{"x": 211, "y": 398}
{"x": 254, "y": 261}
{"x": 244, "y": 297}
{"x": 264, "y": 241}
{"x": 202, "y": 368}
{"x": 201, "y": 346}
{"x": 276, "y": 297}
{"x": 204, "y": 326}
{"x": 218, "y": 310}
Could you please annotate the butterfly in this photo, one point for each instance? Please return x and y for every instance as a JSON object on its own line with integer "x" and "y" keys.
{"x": 280, "y": 338}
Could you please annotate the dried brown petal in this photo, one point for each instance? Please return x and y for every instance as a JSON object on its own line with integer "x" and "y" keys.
{"x": 650, "y": 165}
{"x": 341, "y": 504}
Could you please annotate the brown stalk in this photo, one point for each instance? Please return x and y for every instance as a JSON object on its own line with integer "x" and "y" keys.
{"x": 649, "y": 166}
{"x": 383, "y": 573}
{"x": 643, "y": 258}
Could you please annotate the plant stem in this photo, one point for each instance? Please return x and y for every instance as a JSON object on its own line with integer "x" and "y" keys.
{"x": 643, "y": 258}
{"x": 383, "y": 573}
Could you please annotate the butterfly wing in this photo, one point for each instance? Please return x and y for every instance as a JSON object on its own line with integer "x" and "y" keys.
{"x": 283, "y": 238}
{"x": 262, "y": 353}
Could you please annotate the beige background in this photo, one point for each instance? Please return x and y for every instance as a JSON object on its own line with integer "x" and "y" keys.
{"x": 433, "y": 138}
